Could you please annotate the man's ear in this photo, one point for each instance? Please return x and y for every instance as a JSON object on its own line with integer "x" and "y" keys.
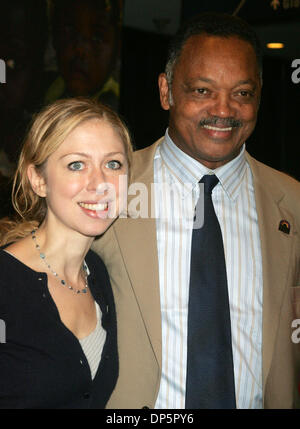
{"x": 163, "y": 91}
{"x": 36, "y": 180}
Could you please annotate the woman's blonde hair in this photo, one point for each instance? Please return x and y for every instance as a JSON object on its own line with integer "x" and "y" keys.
{"x": 49, "y": 129}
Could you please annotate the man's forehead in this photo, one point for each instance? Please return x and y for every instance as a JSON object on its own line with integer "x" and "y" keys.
{"x": 202, "y": 47}
{"x": 211, "y": 57}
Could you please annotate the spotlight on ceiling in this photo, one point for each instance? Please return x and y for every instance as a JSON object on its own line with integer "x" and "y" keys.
{"x": 275, "y": 45}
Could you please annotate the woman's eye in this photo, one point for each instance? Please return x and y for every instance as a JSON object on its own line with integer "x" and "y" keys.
{"x": 76, "y": 165}
{"x": 114, "y": 165}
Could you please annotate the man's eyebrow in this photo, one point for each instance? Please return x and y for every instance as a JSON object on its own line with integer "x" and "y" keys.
{"x": 247, "y": 82}
{"x": 202, "y": 78}
{"x": 207, "y": 80}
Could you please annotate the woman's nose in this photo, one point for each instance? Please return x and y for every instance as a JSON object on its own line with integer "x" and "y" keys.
{"x": 96, "y": 181}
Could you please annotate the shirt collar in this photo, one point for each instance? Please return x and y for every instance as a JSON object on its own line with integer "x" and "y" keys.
{"x": 188, "y": 171}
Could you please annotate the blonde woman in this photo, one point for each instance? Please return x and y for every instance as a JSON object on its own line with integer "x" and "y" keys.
{"x": 55, "y": 295}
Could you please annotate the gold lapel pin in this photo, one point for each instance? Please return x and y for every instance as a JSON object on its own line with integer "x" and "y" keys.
{"x": 284, "y": 226}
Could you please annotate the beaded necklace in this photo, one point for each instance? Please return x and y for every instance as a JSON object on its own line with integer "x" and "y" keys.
{"x": 62, "y": 281}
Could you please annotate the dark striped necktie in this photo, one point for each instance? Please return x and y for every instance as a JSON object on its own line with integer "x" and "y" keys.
{"x": 210, "y": 376}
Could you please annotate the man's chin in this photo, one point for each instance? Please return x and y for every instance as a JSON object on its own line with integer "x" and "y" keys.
{"x": 217, "y": 157}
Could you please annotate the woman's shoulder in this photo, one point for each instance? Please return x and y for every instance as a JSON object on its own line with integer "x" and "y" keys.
{"x": 16, "y": 264}
{"x": 13, "y": 275}
{"x": 11, "y": 266}
{"x": 20, "y": 253}
{"x": 7, "y": 260}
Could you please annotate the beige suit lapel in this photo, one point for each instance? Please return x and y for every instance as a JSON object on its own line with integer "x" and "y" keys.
{"x": 138, "y": 237}
{"x": 276, "y": 249}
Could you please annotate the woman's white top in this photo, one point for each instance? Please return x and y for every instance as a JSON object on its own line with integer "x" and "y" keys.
{"x": 93, "y": 344}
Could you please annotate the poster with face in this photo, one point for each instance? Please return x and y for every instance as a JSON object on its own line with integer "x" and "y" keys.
{"x": 86, "y": 40}
{"x": 52, "y": 49}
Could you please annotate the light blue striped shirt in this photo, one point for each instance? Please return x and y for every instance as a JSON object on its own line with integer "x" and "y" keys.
{"x": 235, "y": 207}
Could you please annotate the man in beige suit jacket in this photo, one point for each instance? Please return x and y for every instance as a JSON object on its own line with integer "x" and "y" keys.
{"x": 214, "y": 76}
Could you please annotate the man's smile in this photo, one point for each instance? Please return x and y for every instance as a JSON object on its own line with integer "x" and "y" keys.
{"x": 209, "y": 127}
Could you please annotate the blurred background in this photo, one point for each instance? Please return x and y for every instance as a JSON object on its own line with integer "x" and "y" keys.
{"x": 113, "y": 50}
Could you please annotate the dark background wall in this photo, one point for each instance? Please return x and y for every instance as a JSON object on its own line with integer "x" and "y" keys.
{"x": 139, "y": 32}
{"x": 276, "y": 140}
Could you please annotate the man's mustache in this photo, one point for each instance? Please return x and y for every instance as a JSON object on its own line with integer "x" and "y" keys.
{"x": 225, "y": 122}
